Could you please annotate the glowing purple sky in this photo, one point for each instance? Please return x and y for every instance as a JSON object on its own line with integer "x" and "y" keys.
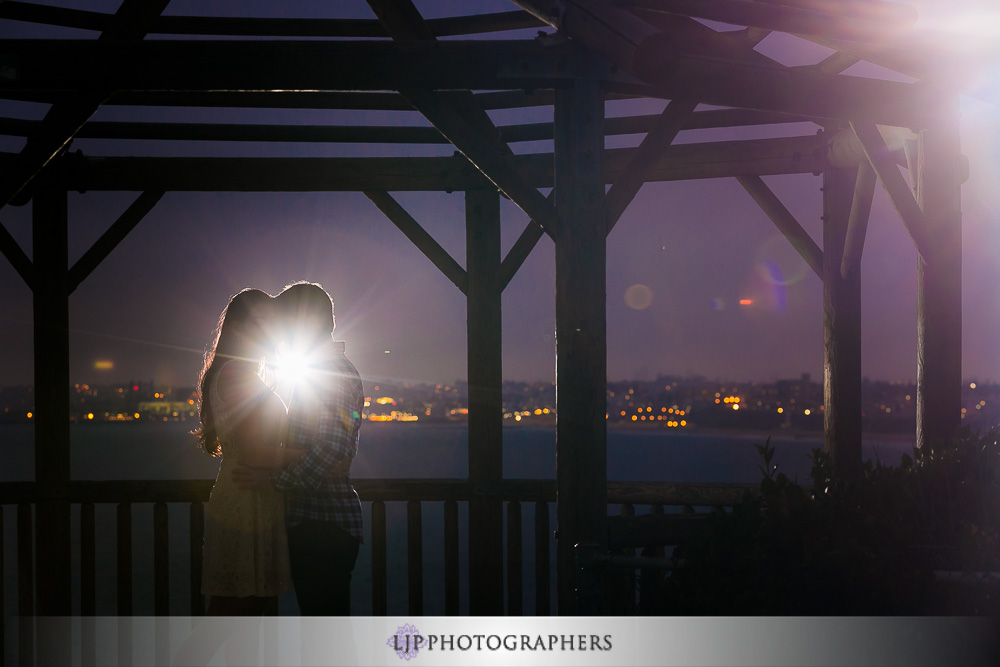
{"x": 697, "y": 247}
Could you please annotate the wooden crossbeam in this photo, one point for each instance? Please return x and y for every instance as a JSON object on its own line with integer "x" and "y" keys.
{"x": 419, "y": 237}
{"x": 628, "y": 182}
{"x": 785, "y": 222}
{"x": 114, "y": 235}
{"x": 857, "y": 222}
{"x": 63, "y": 120}
{"x": 285, "y": 65}
{"x": 782, "y": 17}
{"x": 280, "y": 65}
{"x": 394, "y": 134}
{"x": 20, "y": 261}
{"x": 795, "y": 91}
{"x": 266, "y": 27}
{"x": 519, "y": 252}
{"x": 403, "y": 21}
{"x": 624, "y": 38}
{"x": 786, "y": 155}
{"x": 484, "y": 156}
{"x": 884, "y": 165}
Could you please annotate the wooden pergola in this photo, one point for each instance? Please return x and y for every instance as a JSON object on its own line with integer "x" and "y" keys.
{"x": 592, "y": 51}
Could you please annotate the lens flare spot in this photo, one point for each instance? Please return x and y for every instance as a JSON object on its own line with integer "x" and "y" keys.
{"x": 746, "y": 302}
{"x": 638, "y": 297}
{"x": 104, "y": 365}
{"x": 718, "y": 304}
{"x": 778, "y": 263}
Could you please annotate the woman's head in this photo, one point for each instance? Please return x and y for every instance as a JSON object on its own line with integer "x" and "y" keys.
{"x": 243, "y": 332}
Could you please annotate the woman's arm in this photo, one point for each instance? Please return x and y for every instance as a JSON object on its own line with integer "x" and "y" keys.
{"x": 259, "y": 416}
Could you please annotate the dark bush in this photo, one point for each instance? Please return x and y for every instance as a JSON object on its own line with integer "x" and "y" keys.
{"x": 868, "y": 545}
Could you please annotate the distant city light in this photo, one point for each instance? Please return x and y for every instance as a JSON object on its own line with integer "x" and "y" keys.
{"x": 746, "y": 302}
{"x": 972, "y": 385}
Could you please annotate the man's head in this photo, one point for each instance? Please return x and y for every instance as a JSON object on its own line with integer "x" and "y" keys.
{"x": 307, "y": 313}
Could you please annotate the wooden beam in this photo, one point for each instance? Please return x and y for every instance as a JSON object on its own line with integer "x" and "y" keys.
{"x": 723, "y": 159}
{"x": 51, "y": 421}
{"x": 519, "y": 252}
{"x": 420, "y": 238}
{"x": 384, "y": 134}
{"x": 857, "y": 223}
{"x": 631, "y": 178}
{"x": 530, "y": 236}
{"x": 283, "y": 65}
{"x": 939, "y": 287}
{"x": 485, "y": 369}
{"x": 841, "y": 327}
{"x": 625, "y": 39}
{"x": 784, "y": 18}
{"x": 785, "y": 222}
{"x": 56, "y": 131}
{"x": 266, "y": 27}
{"x": 62, "y": 121}
{"x": 893, "y": 183}
{"x": 20, "y": 261}
{"x": 835, "y": 63}
{"x": 794, "y": 91}
{"x": 691, "y": 36}
{"x": 114, "y": 235}
{"x": 581, "y": 337}
{"x": 484, "y": 156}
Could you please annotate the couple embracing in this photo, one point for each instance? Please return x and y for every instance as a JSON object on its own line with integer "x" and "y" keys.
{"x": 283, "y": 511}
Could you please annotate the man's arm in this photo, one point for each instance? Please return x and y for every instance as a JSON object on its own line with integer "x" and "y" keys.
{"x": 330, "y": 439}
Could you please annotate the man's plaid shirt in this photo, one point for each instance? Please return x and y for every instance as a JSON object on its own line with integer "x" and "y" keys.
{"x": 324, "y": 418}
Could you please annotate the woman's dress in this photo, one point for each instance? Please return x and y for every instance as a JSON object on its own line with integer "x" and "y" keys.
{"x": 245, "y": 550}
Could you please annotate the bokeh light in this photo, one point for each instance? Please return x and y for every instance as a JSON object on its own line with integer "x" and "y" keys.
{"x": 638, "y": 297}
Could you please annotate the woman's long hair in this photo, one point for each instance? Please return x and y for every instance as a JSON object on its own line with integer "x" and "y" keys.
{"x": 224, "y": 346}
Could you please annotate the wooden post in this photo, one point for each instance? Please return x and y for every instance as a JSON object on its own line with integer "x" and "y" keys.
{"x": 581, "y": 330}
{"x": 51, "y": 356}
{"x": 841, "y": 328}
{"x": 939, "y": 286}
{"x": 482, "y": 234}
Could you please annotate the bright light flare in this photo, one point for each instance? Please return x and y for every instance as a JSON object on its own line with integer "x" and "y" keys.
{"x": 291, "y": 366}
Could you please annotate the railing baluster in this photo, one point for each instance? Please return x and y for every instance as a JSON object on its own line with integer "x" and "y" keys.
{"x": 88, "y": 561}
{"x": 542, "y": 593}
{"x": 414, "y": 558}
{"x": 124, "y": 548}
{"x": 88, "y": 585}
{"x": 515, "y": 594}
{"x": 161, "y": 560}
{"x": 625, "y": 578}
{"x": 451, "y": 579}
{"x": 380, "y": 589}
{"x": 197, "y": 528}
{"x": 124, "y": 538}
{"x": 161, "y": 582}
{"x": 25, "y": 584}
{"x": 648, "y": 577}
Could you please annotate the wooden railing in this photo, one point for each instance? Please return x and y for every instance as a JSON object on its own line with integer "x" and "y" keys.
{"x": 627, "y": 532}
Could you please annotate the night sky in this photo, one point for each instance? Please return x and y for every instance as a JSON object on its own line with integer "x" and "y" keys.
{"x": 680, "y": 260}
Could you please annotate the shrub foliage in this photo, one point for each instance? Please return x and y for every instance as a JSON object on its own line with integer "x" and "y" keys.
{"x": 866, "y": 545}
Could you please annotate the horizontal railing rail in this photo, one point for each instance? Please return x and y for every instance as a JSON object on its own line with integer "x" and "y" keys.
{"x": 624, "y": 533}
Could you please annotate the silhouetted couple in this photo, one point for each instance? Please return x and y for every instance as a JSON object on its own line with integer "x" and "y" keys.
{"x": 283, "y": 510}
